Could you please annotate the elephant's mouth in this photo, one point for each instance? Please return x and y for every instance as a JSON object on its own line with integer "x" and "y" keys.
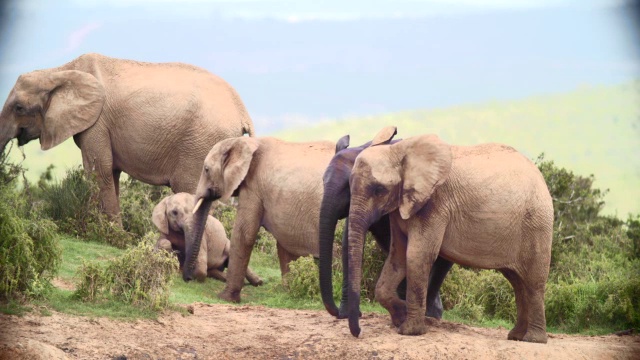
{"x": 23, "y": 136}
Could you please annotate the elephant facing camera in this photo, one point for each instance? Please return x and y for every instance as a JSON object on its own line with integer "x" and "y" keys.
{"x": 173, "y": 218}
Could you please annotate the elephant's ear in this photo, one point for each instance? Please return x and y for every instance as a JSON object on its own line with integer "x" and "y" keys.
{"x": 236, "y": 164}
{"x": 159, "y": 216}
{"x": 74, "y": 104}
{"x": 426, "y": 163}
{"x": 384, "y": 136}
{"x": 342, "y": 144}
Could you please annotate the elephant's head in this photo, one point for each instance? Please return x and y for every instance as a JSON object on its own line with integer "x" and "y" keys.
{"x": 335, "y": 206}
{"x": 386, "y": 178}
{"x": 173, "y": 215}
{"x": 224, "y": 169}
{"x": 51, "y": 106}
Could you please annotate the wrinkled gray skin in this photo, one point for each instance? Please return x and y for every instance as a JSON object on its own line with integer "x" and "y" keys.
{"x": 485, "y": 206}
{"x": 335, "y": 206}
{"x": 173, "y": 217}
{"x": 153, "y": 121}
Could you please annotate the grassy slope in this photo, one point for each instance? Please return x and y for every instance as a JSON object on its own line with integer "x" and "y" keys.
{"x": 270, "y": 294}
{"x": 593, "y": 130}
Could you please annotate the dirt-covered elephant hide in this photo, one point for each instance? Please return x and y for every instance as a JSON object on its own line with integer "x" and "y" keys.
{"x": 153, "y": 121}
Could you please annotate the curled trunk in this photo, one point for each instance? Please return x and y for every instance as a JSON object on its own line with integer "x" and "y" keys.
{"x": 195, "y": 239}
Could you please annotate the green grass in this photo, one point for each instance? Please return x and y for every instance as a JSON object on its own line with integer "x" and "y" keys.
{"x": 271, "y": 294}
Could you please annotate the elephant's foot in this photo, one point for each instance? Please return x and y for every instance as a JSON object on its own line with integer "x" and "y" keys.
{"x": 398, "y": 313}
{"x": 256, "y": 282}
{"x": 413, "y": 326}
{"x": 517, "y": 333}
{"x": 535, "y": 336}
{"x": 230, "y": 295}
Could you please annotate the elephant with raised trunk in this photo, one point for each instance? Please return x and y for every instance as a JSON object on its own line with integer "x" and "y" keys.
{"x": 154, "y": 121}
{"x": 279, "y": 187}
{"x": 174, "y": 219}
{"x": 335, "y": 206}
{"x": 485, "y": 206}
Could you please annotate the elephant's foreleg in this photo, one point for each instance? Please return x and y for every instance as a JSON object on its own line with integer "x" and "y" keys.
{"x": 101, "y": 164}
{"x": 245, "y": 230}
{"x": 393, "y": 272}
{"x": 422, "y": 251}
{"x": 253, "y": 278}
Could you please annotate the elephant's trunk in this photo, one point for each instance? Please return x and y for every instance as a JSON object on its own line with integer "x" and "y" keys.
{"x": 328, "y": 220}
{"x": 357, "y": 229}
{"x": 195, "y": 239}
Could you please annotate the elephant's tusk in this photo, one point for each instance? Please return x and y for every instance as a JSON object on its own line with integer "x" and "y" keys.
{"x": 197, "y": 205}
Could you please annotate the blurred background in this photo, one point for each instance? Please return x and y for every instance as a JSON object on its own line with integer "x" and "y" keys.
{"x": 560, "y": 77}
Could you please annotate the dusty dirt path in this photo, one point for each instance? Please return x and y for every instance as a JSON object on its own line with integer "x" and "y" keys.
{"x": 255, "y": 332}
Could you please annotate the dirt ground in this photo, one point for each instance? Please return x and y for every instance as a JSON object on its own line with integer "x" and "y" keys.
{"x": 255, "y": 332}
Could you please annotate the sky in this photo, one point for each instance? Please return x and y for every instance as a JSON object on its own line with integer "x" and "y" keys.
{"x": 298, "y": 62}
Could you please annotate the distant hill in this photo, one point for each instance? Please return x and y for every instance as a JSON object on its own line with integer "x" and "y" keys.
{"x": 592, "y": 130}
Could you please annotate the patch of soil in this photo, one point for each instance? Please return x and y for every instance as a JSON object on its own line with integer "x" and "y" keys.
{"x": 256, "y": 332}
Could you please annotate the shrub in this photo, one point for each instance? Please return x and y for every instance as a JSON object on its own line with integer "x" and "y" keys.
{"x": 301, "y": 281}
{"x": 74, "y": 205}
{"x": 29, "y": 252}
{"x": 137, "y": 201}
{"x": 477, "y": 294}
{"x": 142, "y": 276}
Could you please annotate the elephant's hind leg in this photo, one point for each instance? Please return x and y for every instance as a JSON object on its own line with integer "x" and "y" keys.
{"x": 285, "y": 258}
{"x": 520, "y": 329}
{"x": 531, "y": 323}
{"x": 537, "y": 326}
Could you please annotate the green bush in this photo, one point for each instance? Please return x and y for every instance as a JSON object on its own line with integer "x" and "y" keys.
{"x": 478, "y": 294}
{"x": 74, "y": 205}
{"x": 137, "y": 201}
{"x": 302, "y": 280}
{"x": 142, "y": 276}
{"x": 29, "y": 252}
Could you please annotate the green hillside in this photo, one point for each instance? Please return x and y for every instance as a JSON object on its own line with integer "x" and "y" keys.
{"x": 592, "y": 130}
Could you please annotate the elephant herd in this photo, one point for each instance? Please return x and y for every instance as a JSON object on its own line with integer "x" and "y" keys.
{"x": 427, "y": 203}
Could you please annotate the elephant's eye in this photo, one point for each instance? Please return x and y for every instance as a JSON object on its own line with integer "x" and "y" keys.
{"x": 174, "y": 212}
{"x": 206, "y": 169}
{"x": 19, "y": 109}
{"x": 379, "y": 190}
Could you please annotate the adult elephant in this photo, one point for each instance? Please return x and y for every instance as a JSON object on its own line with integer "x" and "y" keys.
{"x": 279, "y": 187}
{"x": 335, "y": 206}
{"x": 154, "y": 121}
{"x": 485, "y": 206}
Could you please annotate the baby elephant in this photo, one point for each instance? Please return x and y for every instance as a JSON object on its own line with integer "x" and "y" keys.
{"x": 172, "y": 216}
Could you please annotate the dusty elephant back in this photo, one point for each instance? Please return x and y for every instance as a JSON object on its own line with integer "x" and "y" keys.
{"x": 162, "y": 118}
{"x": 494, "y": 195}
{"x": 289, "y": 178}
